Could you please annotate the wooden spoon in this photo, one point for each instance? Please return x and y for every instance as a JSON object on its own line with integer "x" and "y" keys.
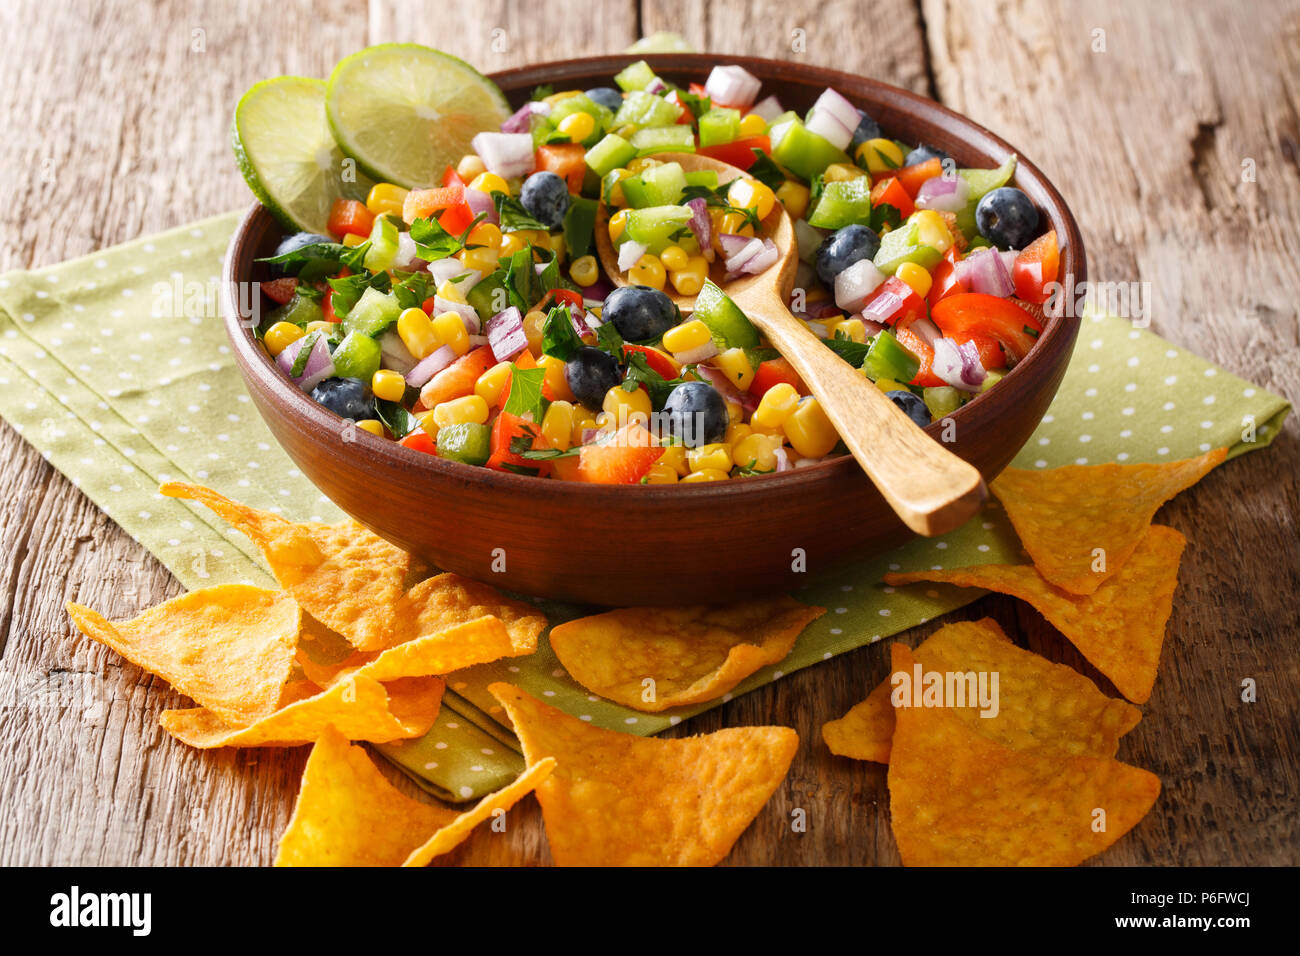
{"x": 929, "y": 487}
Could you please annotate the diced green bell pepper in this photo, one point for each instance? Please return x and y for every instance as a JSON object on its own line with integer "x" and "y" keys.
{"x": 707, "y": 178}
{"x": 469, "y": 443}
{"x": 981, "y": 183}
{"x": 643, "y": 109}
{"x": 655, "y": 227}
{"x": 635, "y": 77}
{"x": 942, "y": 400}
{"x": 298, "y": 311}
{"x": 900, "y": 245}
{"x": 719, "y": 125}
{"x": 730, "y": 327}
{"x": 663, "y": 139}
{"x": 374, "y": 312}
{"x": 357, "y": 356}
{"x": 582, "y": 103}
{"x": 383, "y": 245}
{"x": 888, "y": 359}
{"x": 611, "y": 153}
{"x": 802, "y": 151}
{"x": 489, "y": 295}
{"x": 842, "y": 204}
{"x": 657, "y": 186}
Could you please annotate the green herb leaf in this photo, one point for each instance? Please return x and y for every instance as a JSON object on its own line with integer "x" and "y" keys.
{"x": 640, "y": 373}
{"x": 525, "y": 398}
{"x": 608, "y": 340}
{"x": 579, "y": 226}
{"x": 348, "y": 289}
{"x": 514, "y": 216}
{"x": 396, "y": 418}
{"x": 766, "y": 171}
{"x": 321, "y": 259}
{"x": 304, "y": 353}
{"x": 852, "y": 352}
{"x": 884, "y": 215}
{"x": 542, "y": 92}
{"x": 432, "y": 242}
{"x": 558, "y": 336}
{"x": 521, "y": 281}
{"x": 413, "y": 288}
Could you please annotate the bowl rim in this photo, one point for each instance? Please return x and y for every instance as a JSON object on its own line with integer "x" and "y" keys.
{"x": 418, "y": 465}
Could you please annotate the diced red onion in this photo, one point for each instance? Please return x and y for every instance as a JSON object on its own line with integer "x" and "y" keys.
{"x": 943, "y": 194}
{"x": 506, "y": 154}
{"x": 405, "y": 256}
{"x": 733, "y": 244}
{"x": 821, "y": 309}
{"x": 630, "y": 253}
{"x": 481, "y": 203}
{"x": 589, "y": 435}
{"x": 655, "y": 85}
{"x": 724, "y": 386}
{"x": 985, "y": 271}
{"x": 466, "y": 312}
{"x": 318, "y": 367}
{"x": 520, "y": 121}
{"x": 807, "y": 462}
{"x": 828, "y": 126}
{"x": 925, "y": 330}
{"x": 699, "y": 354}
{"x": 769, "y": 108}
{"x": 782, "y": 460}
{"x": 1009, "y": 257}
{"x": 809, "y": 239}
{"x": 476, "y": 340}
{"x": 443, "y": 270}
{"x": 394, "y": 354}
{"x": 819, "y": 329}
{"x": 700, "y": 223}
{"x": 732, "y": 86}
{"x": 958, "y": 365}
{"x": 505, "y": 332}
{"x": 856, "y": 283}
{"x": 758, "y": 255}
{"x": 872, "y": 327}
{"x": 428, "y": 367}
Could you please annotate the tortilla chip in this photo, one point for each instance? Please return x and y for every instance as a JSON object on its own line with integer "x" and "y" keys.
{"x": 344, "y": 575}
{"x": 623, "y": 800}
{"x": 1120, "y": 628}
{"x": 230, "y": 648}
{"x": 447, "y": 600}
{"x": 1041, "y": 706}
{"x": 692, "y": 654}
{"x": 361, "y": 709}
{"x": 1064, "y": 514}
{"x": 958, "y": 798}
{"x": 348, "y": 814}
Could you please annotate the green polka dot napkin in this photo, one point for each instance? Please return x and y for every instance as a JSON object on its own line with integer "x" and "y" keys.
{"x": 116, "y": 368}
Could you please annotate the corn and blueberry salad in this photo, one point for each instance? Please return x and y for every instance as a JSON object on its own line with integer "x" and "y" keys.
{"x": 471, "y": 320}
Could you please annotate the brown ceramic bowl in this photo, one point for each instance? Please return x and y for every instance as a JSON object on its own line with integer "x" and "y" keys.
{"x": 653, "y": 544}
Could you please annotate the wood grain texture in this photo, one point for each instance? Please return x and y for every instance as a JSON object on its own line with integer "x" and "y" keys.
{"x": 111, "y": 115}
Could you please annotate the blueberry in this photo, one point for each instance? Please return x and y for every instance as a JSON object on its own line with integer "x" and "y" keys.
{"x": 912, "y": 404}
{"x": 842, "y": 248}
{"x": 640, "y": 313}
{"x": 590, "y": 374}
{"x": 697, "y": 414}
{"x": 348, "y": 397}
{"x": 1007, "y": 218}
{"x": 867, "y": 129}
{"x": 546, "y": 197}
{"x": 292, "y": 244}
{"x": 606, "y": 96}
{"x": 922, "y": 153}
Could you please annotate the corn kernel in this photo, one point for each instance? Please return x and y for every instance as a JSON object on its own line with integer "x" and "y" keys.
{"x": 889, "y": 385}
{"x": 351, "y": 240}
{"x": 619, "y": 401}
{"x": 615, "y": 191}
{"x": 756, "y": 452}
{"x": 932, "y": 231}
{"x": 450, "y": 329}
{"x": 747, "y": 193}
{"x": 674, "y": 258}
{"x": 485, "y": 235}
{"x": 734, "y": 364}
{"x": 583, "y": 419}
{"x": 707, "y": 474}
{"x": 415, "y": 329}
{"x": 557, "y": 425}
{"x": 492, "y": 382}
{"x": 730, "y": 223}
{"x": 879, "y": 155}
{"x": 751, "y": 124}
{"x": 584, "y": 271}
{"x": 451, "y": 292}
{"x": 687, "y": 283}
{"x": 470, "y": 168}
{"x": 794, "y": 197}
{"x": 851, "y": 329}
{"x": 388, "y": 385}
{"x": 842, "y": 173}
{"x": 641, "y": 164}
{"x": 469, "y": 410}
{"x": 562, "y": 95}
{"x": 776, "y": 405}
{"x": 716, "y": 455}
{"x": 648, "y": 271}
{"x": 674, "y": 457}
{"x": 916, "y": 276}
{"x": 386, "y": 198}
{"x": 320, "y": 325}
{"x": 482, "y": 261}
{"x": 489, "y": 183}
{"x": 810, "y": 432}
{"x": 559, "y": 385}
{"x": 735, "y": 412}
{"x": 737, "y": 431}
{"x": 617, "y": 223}
{"x": 558, "y": 246}
{"x": 690, "y": 245}
{"x": 687, "y": 336}
{"x": 534, "y": 323}
{"x": 511, "y": 243}
{"x": 374, "y": 426}
{"x": 577, "y": 126}
{"x": 660, "y": 474}
{"x": 280, "y": 336}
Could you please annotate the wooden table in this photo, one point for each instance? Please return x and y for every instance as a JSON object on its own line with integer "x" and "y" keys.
{"x": 1172, "y": 130}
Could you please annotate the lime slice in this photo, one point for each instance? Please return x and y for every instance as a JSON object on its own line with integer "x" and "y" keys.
{"x": 287, "y": 153}
{"x": 405, "y": 112}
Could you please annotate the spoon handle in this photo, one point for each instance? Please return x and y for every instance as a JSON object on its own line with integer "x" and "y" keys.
{"x": 929, "y": 487}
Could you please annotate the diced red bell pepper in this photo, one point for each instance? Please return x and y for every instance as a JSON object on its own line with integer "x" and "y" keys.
{"x": 991, "y": 354}
{"x": 891, "y": 193}
{"x": 774, "y": 372}
{"x": 684, "y": 114}
{"x": 350, "y": 216}
{"x": 655, "y": 359}
{"x": 943, "y": 280}
{"x": 452, "y": 178}
{"x": 420, "y": 441}
{"x": 740, "y": 152}
{"x": 423, "y": 203}
{"x": 457, "y": 379}
{"x": 622, "y": 460}
{"x": 1036, "y": 268}
{"x": 893, "y": 303}
{"x": 280, "y": 291}
{"x": 505, "y": 430}
{"x": 924, "y": 353}
{"x": 911, "y": 177}
{"x": 456, "y": 219}
{"x": 1001, "y": 319}
{"x": 327, "y": 307}
{"x": 566, "y": 160}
